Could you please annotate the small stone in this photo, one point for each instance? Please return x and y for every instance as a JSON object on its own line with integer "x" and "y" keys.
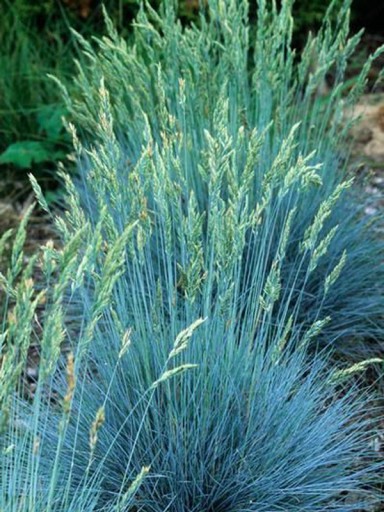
{"x": 378, "y": 180}
{"x": 32, "y": 373}
{"x": 370, "y": 210}
{"x": 372, "y": 190}
{"x": 364, "y": 135}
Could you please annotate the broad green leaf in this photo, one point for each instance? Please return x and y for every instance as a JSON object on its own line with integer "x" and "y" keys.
{"x": 50, "y": 122}
{"x": 27, "y": 152}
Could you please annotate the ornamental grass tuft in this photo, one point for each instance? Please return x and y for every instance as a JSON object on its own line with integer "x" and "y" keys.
{"x": 244, "y": 90}
{"x": 204, "y": 281}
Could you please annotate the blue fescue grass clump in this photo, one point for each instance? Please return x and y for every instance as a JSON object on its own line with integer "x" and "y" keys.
{"x": 245, "y": 430}
{"x": 205, "y": 248}
{"x": 176, "y": 80}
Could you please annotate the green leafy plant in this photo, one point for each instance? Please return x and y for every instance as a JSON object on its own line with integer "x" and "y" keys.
{"x": 36, "y": 40}
{"x": 27, "y": 94}
{"x": 25, "y": 153}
